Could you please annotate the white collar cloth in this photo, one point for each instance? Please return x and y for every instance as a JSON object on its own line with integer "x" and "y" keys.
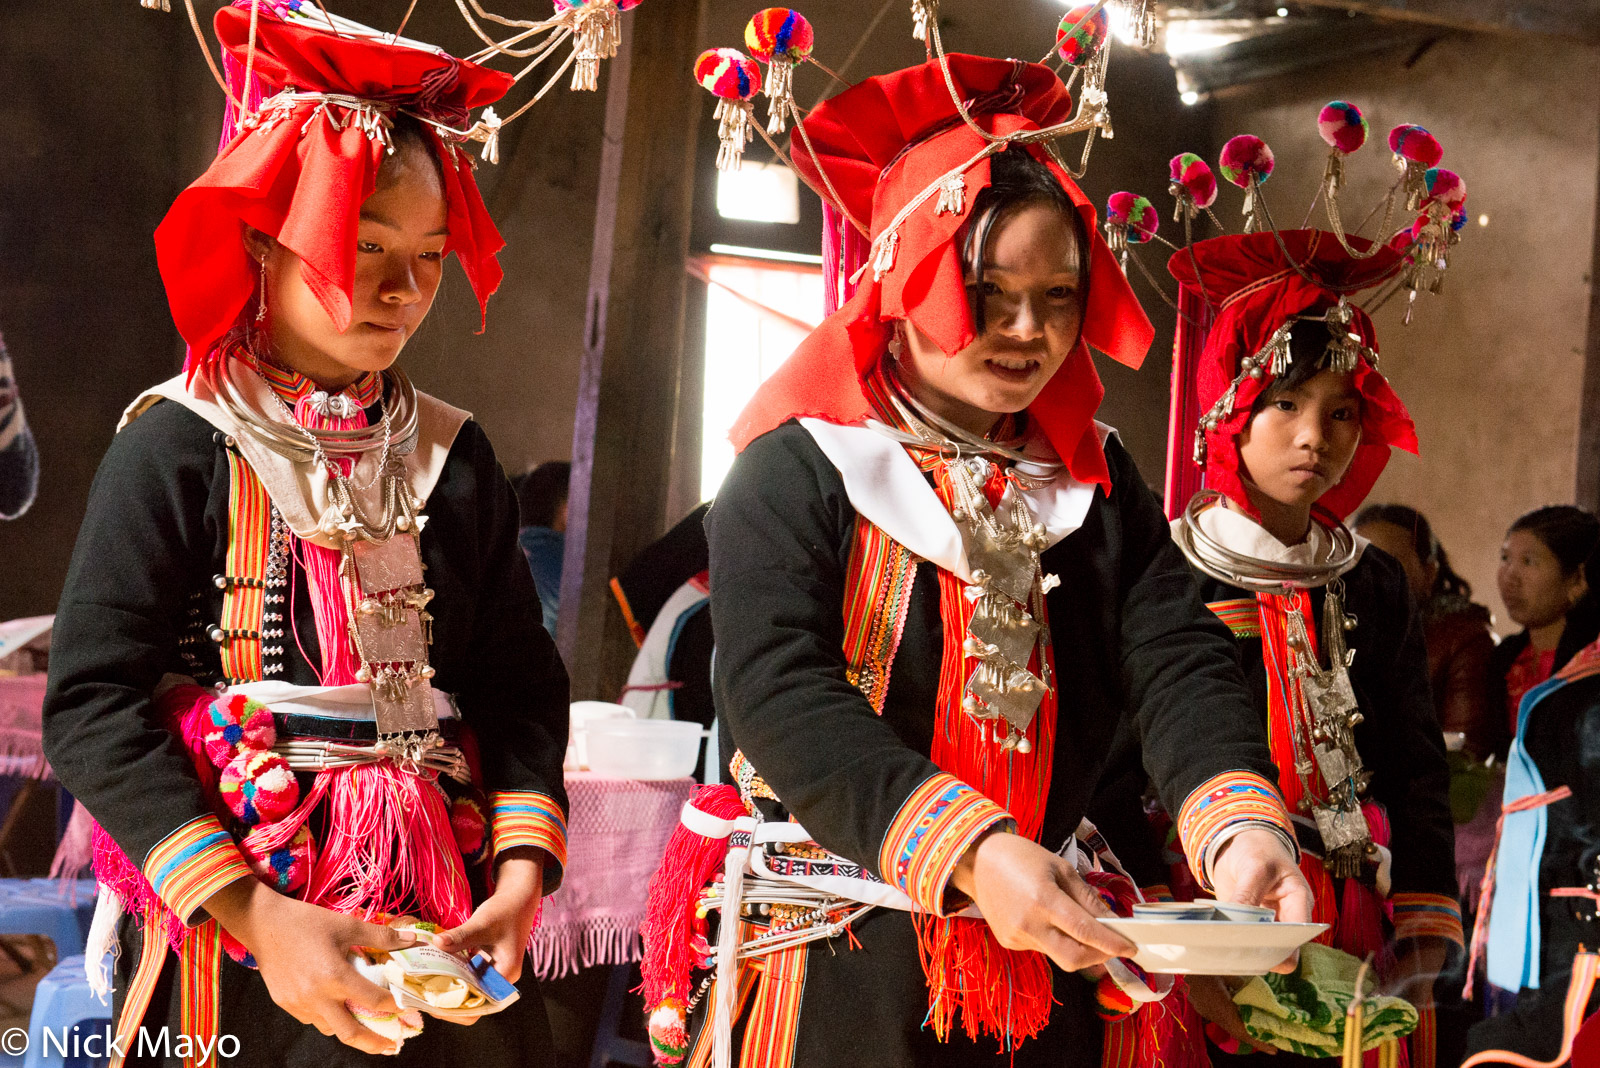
{"x": 1241, "y": 534}
{"x": 886, "y": 486}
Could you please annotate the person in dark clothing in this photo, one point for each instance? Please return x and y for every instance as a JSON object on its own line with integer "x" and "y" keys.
{"x": 938, "y": 589}
{"x": 542, "y": 506}
{"x": 1455, "y": 628}
{"x": 298, "y": 676}
{"x": 1299, "y": 426}
{"x": 19, "y": 456}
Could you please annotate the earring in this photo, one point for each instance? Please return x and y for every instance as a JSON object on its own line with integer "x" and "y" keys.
{"x": 261, "y": 301}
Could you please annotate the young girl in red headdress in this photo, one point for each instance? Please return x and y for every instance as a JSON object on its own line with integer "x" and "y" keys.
{"x": 1300, "y": 425}
{"x": 300, "y": 679}
{"x": 940, "y": 588}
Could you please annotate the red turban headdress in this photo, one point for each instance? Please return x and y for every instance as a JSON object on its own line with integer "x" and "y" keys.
{"x": 1256, "y": 287}
{"x": 878, "y": 146}
{"x": 299, "y": 171}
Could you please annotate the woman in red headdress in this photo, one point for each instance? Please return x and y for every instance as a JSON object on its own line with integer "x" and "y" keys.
{"x": 1298, "y": 425}
{"x": 300, "y": 678}
{"x": 940, "y": 588}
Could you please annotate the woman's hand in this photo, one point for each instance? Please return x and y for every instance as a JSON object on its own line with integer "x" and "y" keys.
{"x": 1212, "y": 998}
{"x": 1254, "y": 868}
{"x": 501, "y": 924}
{"x": 303, "y": 952}
{"x": 1417, "y": 964}
{"x": 1033, "y": 899}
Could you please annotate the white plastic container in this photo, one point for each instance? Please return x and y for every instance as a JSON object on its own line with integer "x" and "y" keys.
{"x": 644, "y": 748}
{"x": 582, "y": 713}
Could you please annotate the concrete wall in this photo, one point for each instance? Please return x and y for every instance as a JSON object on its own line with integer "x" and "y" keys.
{"x": 1491, "y": 368}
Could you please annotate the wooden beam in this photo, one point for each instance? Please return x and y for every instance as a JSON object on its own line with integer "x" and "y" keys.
{"x": 1586, "y": 494}
{"x": 1578, "y": 19}
{"x": 623, "y": 437}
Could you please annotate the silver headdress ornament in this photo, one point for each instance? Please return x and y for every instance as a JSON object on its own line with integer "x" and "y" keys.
{"x": 590, "y": 24}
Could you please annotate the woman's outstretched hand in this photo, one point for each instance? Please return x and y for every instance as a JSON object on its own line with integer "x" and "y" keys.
{"x": 501, "y": 924}
{"x": 1033, "y": 899}
{"x": 303, "y": 952}
{"x": 1255, "y": 868}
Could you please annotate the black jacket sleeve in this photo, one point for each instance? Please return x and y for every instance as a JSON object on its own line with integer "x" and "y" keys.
{"x": 146, "y": 542}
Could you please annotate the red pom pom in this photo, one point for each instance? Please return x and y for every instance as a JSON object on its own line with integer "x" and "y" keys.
{"x": 1111, "y": 1002}
{"x": 1134, "y": 215}
{"x": 1079, "y": 40}
{"x": 235, "y": 724}
{"x": 1195, "y": 175}
{"x": 1342, "y": 125}
{"x": 1415, "y": 145}
{"x": 1246, "y": 157}
{"x": 466, "y": 820}
{"x": 1446, "y": 187}
{"x": 236, "y": 951}
{"x": 286, "y": 868}
{"x": 259, "y": 787}
{"x": 728, "y": 73}
{"x": 779, "y": 33}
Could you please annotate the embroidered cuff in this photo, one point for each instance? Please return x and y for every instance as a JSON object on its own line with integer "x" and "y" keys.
{"x": 1157, "y": 892}
{"x": 191, "y": 864}
{"x": 926, "y": 838}
{"x": 1426, "y": 916}
{"x": 529, "y": 818}
{"x": 1211, "y": 814}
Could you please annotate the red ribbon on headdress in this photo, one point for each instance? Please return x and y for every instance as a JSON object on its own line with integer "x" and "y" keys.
{"x": 882, "y": 143}
{"x": 1256, "y": 288}
{"x": 302, "y": 180}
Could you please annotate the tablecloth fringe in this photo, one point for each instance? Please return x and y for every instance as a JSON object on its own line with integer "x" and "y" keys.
{"x": 562, "y": 950}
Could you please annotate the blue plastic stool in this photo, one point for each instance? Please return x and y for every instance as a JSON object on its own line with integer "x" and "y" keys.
{"x": 47, "y": 907}
{"x": 63, "y": 1005}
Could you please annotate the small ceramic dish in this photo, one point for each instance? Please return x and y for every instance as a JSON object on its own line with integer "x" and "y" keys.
{"x": 1213, "y": 947}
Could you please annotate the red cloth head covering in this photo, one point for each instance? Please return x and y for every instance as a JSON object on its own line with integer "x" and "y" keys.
{"x": 301, "y": 175}
{"x": 1256, "y": 289}
{"x": 882, "y": 143}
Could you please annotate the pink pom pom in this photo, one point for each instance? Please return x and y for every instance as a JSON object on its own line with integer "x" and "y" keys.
{"x": 235, "y": 724}
{"x": 1415, "y": 145}
{"x": 1458, "y": 218}
{"x": 622, "y": 5}
{"x": 779, "y": 33}
{"x": 286, "y": 868}
{"x": 727, "y": 73}
{"x": 1246, "y": 157}
{"x": 1078, "y": 44}
{"x": 466, "y": 820}
{"x": 1134, "y": 215}
{"x": 1446, "y": 187}
{"x": 236, "y": 951}
{"x": 1194, "y": 174}
{"x": 1342, "y": 125}
{"x": 259, "y": 787}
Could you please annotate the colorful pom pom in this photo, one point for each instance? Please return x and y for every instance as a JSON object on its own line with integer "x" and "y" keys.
{"x": 259, "y": 787}
{"x": 1078, "y": 44}
{"x": 669, "y": 1032}
{"x": 1246, "y": 157}
{"x": 286, "y": 868}
{"x": 1111, "y": 1002}
{"x": 779, "y": 33}
{"x": 1342, "y": 125}
{"x": 236, "y": 951}
{"x": 236, "y": 724}
{"x": 728, "y": 74}
{"x": 622, "y": 5}
{"x": 1446, "y": 187}
{"x": 466, "y": 820}
{"x": 1458, "y": 218}
{"x": 1134, "y": 215}
{"x": 1195, "y": 175}
{"x": 1415, "y": 145}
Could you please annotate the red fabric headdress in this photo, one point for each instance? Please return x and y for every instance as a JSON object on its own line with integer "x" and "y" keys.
{"x": 882, "y": 143}
{"x": 1256, "y": 289}
{"x": 299, "y": 171}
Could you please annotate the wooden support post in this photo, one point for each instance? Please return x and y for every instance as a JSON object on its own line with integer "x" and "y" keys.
{"x": 1586, "y": 494}
{"x": 623, "y": 437}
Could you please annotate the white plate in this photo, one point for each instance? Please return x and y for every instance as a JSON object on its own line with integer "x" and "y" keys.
{"x": 1213, "y": 947}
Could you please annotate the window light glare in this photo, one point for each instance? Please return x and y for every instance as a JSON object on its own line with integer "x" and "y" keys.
{"x": 1283, "y": 12}
{"x": 759, "y": 192}
{"x": 766, "y": 254}
{"x": 1483, "y": 220}
{"x": 1190, "y": 98}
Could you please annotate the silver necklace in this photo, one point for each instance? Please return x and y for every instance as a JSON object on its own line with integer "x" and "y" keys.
{"x": 1253, "y": 573}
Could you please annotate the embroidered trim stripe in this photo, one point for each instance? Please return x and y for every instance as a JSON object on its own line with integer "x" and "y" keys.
{"x": 926, "y": 838}
{"x": 773, "y": 1026}
{"x": 200, "y": 962}
{"x": 1419, "y": 915}
{"x": 1223, "y": 800}
{"x": 292, "y": 385}
{"x": 877, "y": 595}
{"x": 192, "y": 863}
{"x": 1243, "y": 616}
{"x": 528, "y": 818}
{"x": 249, "y": 534}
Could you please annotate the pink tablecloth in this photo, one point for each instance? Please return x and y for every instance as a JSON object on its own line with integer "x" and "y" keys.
{"x": 21, "y": 726}
{"x": 617, "y": 830}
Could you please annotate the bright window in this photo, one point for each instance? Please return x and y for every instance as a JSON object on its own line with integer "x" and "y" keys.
{"x": 759, "y": 192}
{"x": 756, "y": 315}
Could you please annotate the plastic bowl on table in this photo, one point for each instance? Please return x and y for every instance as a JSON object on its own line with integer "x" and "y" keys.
{"x": 644, "y": 748}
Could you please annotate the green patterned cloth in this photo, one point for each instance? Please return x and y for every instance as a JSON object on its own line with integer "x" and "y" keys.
{"x": 1303, "y": 1012}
